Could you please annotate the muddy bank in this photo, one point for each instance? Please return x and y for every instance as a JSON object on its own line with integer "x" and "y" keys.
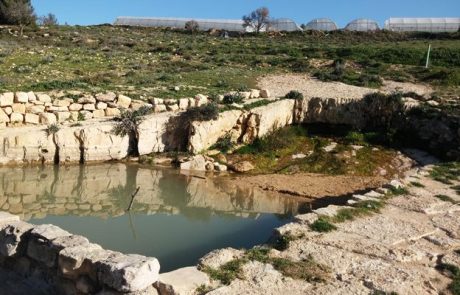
{"x": 307, "y": 185}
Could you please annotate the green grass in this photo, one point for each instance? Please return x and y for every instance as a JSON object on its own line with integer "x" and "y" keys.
{"x": 446, "y": 172}
{"x": 454, "y": 272}
{"x": 416, "y": 184}
{"x": 322, "y": 225}
{"x": 149, "y": 61}
{"x": 446, "y": 199}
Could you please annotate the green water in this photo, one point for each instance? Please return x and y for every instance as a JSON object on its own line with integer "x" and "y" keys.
{"x": 176, "y": 218}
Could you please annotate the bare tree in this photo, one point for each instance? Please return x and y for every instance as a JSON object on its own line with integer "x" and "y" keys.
{"x": 258, "y": 20}
{"x": 48, "y": 20}
{"x": 192, "y": 26}
{"x": 17, "y": 12}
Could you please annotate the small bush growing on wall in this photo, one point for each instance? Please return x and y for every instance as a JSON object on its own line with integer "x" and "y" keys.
{"x": 233, "y": 98}
{"x": 294, "y": 94}
{"x": 205, "y": 112}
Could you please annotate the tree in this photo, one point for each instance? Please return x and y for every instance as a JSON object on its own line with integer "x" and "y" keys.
{"x": 17, "y": 12}
{"x": 258, "y": 20}
{"x": 48, "y": 20}
{"x": 192, "y": 26}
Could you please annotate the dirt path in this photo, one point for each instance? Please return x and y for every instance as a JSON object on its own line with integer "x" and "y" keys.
{"x": 279, "y": 85}
{"x": 307, "y": 184}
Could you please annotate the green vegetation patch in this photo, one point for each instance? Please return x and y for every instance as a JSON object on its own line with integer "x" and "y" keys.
{"x": 454, "y": 272}
{"x": 446, "y": 199}
{"x": 446, "y": 172}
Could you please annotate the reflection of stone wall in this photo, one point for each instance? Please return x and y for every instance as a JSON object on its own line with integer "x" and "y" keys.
{"x": 105, "y": 190}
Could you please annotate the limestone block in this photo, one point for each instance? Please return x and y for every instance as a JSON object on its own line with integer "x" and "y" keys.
{"x": 75, "y": 107}
{"x": 123, "y": 101}
{"x": 6, "y": 99}
{"x": 183, "y": 103}
{"x": 8, "y": 110}
{"x": 172, "y": 107}
{"x": 255, "y": 93}
{"x": 4, "y": 117}
{"x": 112, "y": 112}
{"x": 197, "y": 163}
{"x": 87, "y": 115}
{"x": 16, "y": 118}
{"x": 106, "y": 97}
{"x": 19, "y": 108}
{"x": 98, "y": 114}
{"x": 32, "y": 119}
{"x": 217, "y": 258}
{"x": 62, "y": 116}
{"x": 183, "y": 281}
{"x": 101, "y": 106}
{"x": 21, "y": 97}
{"x": 87, "y": 99}
{"x": 62, "y": 102}
{"x": 156, "y": 101}
{"x": 264, "y": 93}
{"x": 11, "y": 235}
{"x": 76, "y": 261}
{"x": 35, "y": 109}
{"x": 159, "y": 108}
{"x": 89, "y": 107}
{"x": 31, "y": 96}
{"x": 128, "y": 273}
{"x": 48, "y": 118}
{"x": 57, "y": 109}
{"x": 43, "y": 97}
{"x": 200, "y": 100}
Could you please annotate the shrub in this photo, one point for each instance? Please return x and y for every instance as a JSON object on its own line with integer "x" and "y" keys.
{"x": 294, "y": 94}
{"x": 224, "y": 144}
{"x": 233, "y": 98}
{"x": 129, "y": 121}
{"x": 52, "y": 129}
{"x": 192, "y": 26}
{"x": 322, "y": 225}
{"x": 202, "y": 113}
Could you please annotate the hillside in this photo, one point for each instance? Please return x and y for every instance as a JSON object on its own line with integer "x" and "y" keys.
{"x": 146, "y": 62}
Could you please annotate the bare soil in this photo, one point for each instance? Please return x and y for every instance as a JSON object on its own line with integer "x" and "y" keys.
{"x": 308, "y": 185}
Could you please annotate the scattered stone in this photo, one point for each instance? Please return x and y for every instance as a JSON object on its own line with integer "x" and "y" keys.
{"x": 242, "y": 167}
{"x": 330, "y": 147}
{"x": 182, "y": 281}
{"x": 264, "y": 93}
{"x": 433, "y": 103}
{"x": 159, "y": 108}
{"x": 299, "y": 156}
{"x": 200, "y": 100}
{"x": 197, "y": 163}
{"x": 255, "y": 93}
{"x": 43, "y": 98}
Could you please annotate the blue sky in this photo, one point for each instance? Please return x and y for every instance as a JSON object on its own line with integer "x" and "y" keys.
{"x": 84, "y": 12}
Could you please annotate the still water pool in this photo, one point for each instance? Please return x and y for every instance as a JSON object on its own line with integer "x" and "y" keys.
{"x": 176, "y": 218}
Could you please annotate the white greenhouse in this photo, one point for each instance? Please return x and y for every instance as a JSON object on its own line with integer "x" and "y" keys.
{"x": 231, "y": 25}
{"x": 179, "y": 23}
{"x": 432, "y": 25}
{"x": 284, "y": 24}
{"x": 321, "y": 24}
{"x": 362, "y": 25}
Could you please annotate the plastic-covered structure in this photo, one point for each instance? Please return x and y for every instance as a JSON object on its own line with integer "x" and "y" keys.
{"x": 362, "y": 25}
{"x": 432, "y": 25}
{"x": 321, "y": 24}
{"x": 284, "y": 24}
{"x": 179, "y": 23}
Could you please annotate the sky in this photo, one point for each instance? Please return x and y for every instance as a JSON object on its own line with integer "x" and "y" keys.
{"x": 87, "y": 12}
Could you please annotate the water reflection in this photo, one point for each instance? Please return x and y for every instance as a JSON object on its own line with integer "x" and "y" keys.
{"x": 176, "y": 218}
{"x": 105, "y": 191}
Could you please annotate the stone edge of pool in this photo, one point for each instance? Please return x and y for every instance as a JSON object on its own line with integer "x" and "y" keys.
{"x": 72, "y": 264}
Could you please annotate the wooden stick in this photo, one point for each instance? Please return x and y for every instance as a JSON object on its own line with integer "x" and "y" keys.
{"x": 132, "y": 198}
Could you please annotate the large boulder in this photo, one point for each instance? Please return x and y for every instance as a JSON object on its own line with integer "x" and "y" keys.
{"x": 273, "y": 116}
{"x": 204, "y": 134}
{"x": 197, "y": 163}
{"x": 242, "y": 167}
{"x": 11, "y": 237}
{"x": 106, "y": 97}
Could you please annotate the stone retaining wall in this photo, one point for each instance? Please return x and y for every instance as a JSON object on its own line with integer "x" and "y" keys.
{"x": 70, "y": 263}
